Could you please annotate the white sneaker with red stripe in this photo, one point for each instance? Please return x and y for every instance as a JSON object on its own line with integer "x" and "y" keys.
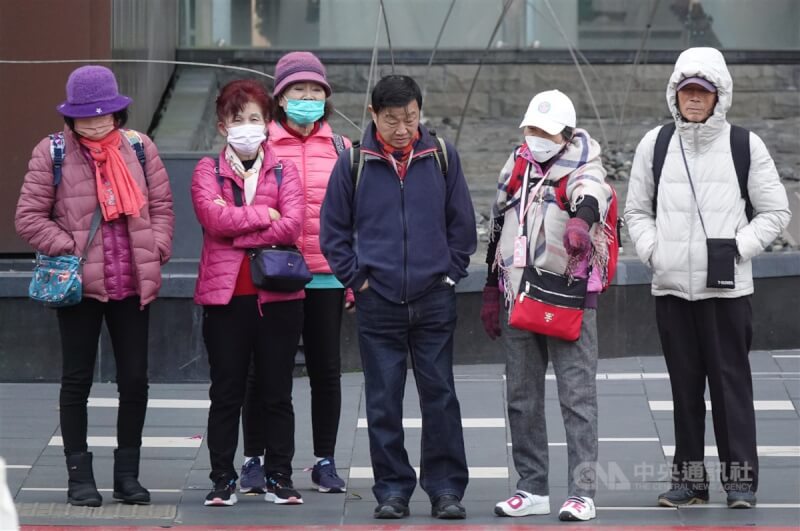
{"x": 523, "y": 504}
{"x": 578, "y": 508}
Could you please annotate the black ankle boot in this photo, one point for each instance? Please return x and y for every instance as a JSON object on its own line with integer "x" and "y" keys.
{"x": 82, "y": 490}
{"x": 127, "y": 488}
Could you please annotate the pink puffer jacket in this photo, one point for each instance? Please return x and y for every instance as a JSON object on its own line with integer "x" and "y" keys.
{"x": 73, "y": 203}
{"x": 228, "y": 231}
{"x": 314, "y": 159}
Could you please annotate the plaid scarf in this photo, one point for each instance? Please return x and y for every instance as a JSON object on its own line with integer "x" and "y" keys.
{"x": 580, "y": 164}
{"x": 400, "y": 155}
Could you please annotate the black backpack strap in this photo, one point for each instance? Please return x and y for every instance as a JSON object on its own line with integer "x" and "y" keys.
{"x": 659, "y": 155}
{"x": 278, "y": 169}
{"x": 57, "y": 154}
{"x": 356, "y": 164}
{"x": 338, "y": 143}
{"x": 740, "y": 151}
{"x": 441, "y": 152}
{"x": 136, "y": 143}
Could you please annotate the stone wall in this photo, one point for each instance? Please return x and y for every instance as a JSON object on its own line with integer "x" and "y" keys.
{"x": 766, "y": 100}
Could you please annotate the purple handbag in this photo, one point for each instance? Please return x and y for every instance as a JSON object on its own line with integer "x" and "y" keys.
{"x": 278, "y": 268}
{"x": 275, "y": 267}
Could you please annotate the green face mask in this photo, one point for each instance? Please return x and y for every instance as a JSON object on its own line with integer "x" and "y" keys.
{"x": 304, "y": 112}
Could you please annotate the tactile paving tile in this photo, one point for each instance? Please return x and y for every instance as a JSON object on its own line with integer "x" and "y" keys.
{"x": 110, "y": 511}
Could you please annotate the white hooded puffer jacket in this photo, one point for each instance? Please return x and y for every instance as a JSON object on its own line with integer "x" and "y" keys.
{"x": 673, "y": 243}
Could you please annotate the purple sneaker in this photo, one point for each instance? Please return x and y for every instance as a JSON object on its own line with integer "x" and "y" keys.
{"x": 325, "y": 478}
{"x": 252, "y": 479}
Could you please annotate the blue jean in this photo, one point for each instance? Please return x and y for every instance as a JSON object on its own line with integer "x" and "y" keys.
{"x": 387, "y": 334}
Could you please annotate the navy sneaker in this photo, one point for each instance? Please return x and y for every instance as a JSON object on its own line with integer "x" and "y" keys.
{"x": 223, "y": 494}
{"x": 280, "y": 490}
{"x": 741, "y": 499}
{"x": 448, "y": 507}
{"x": 678, "y": 496}
{"x": 325, "y": 478}
{"x": 392, "y": 508}
{"x": 251, "y": 480}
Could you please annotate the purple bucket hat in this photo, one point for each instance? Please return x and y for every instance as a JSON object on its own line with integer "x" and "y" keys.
{"x": 92, "y": 91}
{"x": 295, "y": 67}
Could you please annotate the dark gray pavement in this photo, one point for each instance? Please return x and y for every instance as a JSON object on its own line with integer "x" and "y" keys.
{"x": 635, "y": 448}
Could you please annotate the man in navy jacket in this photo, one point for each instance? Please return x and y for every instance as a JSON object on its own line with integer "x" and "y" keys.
{"x": 399, "y": 231}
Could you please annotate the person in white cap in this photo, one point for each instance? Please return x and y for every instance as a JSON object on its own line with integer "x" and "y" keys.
{"x": 564, "y": 237}
{"x": 696, "y": 219}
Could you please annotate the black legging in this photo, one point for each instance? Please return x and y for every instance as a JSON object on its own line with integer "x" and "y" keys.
{"x": 79, "y": 327}
{"x": 321, "y": 333}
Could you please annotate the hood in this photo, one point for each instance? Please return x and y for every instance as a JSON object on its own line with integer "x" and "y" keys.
{"x": 707, "y": 63}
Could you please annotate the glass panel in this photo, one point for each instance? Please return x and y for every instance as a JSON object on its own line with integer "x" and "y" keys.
{"x": 546, "y": 24}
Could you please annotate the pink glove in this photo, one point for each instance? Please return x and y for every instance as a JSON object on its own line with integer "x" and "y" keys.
{"x": 490, "y": 311}
{"x": 577, "y": 241}
{"x": 349, "y": 300}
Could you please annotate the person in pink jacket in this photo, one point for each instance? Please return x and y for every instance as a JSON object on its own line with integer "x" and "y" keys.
{"x": 101, "y": 180}
{"x": 241, "y": 323}
{"x": 300, "y": 133}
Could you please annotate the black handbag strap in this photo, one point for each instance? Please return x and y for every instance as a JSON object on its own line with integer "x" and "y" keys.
{"x": 691, "y": 184}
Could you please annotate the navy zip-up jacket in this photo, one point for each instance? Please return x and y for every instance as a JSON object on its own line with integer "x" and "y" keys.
{"x": 405, "y": 235}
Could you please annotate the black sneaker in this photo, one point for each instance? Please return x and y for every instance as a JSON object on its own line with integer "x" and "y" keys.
{"x": 682, "y": 496}
{"x": 448, "y": 507}
{"x": 223, "y": 495}
{"x": 391, "y": 508}
{"x": 741, "y": 499}
{"x": 280, "y": 490}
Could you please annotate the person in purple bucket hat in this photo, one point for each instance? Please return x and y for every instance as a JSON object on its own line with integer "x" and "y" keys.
{"x": 95, "y": 178}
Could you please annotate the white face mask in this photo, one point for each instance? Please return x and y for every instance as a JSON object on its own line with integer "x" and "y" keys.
{"x": 542, "y": 149}
{"x": 247, "y": 138}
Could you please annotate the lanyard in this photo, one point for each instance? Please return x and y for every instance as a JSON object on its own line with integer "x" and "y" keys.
{"x": 524, "y": 205}
{"x": 691, "y": 184}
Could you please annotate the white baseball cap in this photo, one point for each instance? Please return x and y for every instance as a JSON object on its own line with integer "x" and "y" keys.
{"x": 550, "y": 111}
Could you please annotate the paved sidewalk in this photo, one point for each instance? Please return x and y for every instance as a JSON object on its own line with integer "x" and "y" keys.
{"x": 635, "y": 451}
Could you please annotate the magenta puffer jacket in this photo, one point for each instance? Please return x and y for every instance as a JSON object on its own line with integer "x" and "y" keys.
{"x": 56, "y": 221}
{"x": 228, "y": 231}
{"x": 314, "y": 159}
{"x": 118, "y": 269}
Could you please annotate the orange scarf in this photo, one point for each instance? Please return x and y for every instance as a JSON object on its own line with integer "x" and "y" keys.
{"x": 117, "y": 192}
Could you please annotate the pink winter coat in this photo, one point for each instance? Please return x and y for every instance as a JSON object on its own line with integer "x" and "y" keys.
{"x": 73, "y": 204}
{"x": 314, "y": 159}
{"x": 228, "y": 231}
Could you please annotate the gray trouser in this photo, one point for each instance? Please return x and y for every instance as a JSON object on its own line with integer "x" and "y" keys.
{"x": 575, "y": 366}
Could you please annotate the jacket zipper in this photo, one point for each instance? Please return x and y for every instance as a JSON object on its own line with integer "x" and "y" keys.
{"x": 405, "y": 238}
{"x": 402, "y": 181}
{"x": 423, "y": 154}
{"x": 302, "y": 239}
{"x": 691, "y": 227}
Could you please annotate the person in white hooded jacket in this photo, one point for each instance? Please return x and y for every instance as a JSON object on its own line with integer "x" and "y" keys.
{"x": 695, "y": 235}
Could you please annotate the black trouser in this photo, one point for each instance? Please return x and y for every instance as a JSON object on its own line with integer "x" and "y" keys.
{"x": 710, "y": 339}
{"x": 79, "y": 327}
{"x": 322, "y": 322}
{"x": 234, "y": 335}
